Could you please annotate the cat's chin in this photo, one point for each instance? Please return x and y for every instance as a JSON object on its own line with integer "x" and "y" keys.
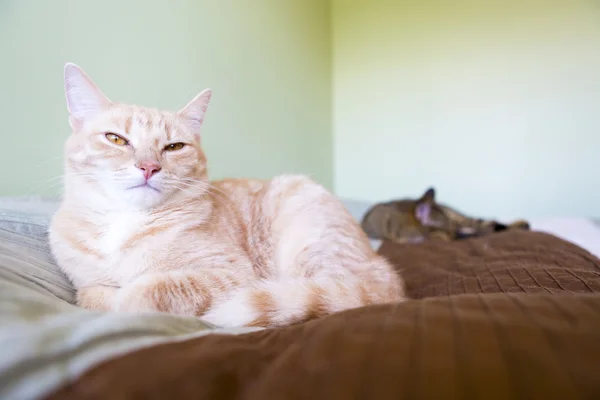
{"x": 144, "y": 186}
{"x": 142, "y": 197}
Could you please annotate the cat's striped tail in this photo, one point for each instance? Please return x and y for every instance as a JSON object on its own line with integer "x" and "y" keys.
{"x": 289, "y": 301}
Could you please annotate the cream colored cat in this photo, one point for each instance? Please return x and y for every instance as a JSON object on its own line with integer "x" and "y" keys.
{"x": 141, "y": 228}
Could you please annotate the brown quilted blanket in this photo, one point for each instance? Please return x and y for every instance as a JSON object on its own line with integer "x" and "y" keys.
{"x": 512, "y": 315}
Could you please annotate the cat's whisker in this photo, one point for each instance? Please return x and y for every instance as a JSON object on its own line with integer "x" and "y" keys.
{"x": 224, "y": 199}
{"x": 216, "y": 192}
{"x": 55, "y": 180}
{"x": 200, "y": 196}
{"x": 48, "y": 161}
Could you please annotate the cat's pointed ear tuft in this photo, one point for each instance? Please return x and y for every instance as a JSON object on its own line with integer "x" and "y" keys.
{"x": 84, "y": 99}
{"x": 429, "y": 195}
{"x": 424, "y": 205}
{"x": 194, "y": 111}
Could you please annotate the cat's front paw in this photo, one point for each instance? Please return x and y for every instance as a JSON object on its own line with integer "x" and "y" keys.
{"x": 97, "y": 298}
{"x": 159, "y": 292}
{"x": 145, "y": 294}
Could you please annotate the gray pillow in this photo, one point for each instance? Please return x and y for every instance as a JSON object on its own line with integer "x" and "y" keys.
{"x": 46, "y": 341}
{"x": 27, "y": 215}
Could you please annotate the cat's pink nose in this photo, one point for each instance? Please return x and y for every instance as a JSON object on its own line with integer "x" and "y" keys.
{"x": 149, "y": 168}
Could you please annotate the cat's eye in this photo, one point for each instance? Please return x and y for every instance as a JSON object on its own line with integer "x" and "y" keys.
{"x": 174, "y": 146}
{"x": 116, "y": 139}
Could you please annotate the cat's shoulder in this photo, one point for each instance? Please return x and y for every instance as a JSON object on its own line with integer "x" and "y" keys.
{"x": 279, "y": 182}
{"x": 229, "y": 184}
{"x": 293, "y": 179}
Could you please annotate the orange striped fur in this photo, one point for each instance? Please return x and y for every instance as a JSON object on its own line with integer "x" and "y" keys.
{"x": 236, "y": 252}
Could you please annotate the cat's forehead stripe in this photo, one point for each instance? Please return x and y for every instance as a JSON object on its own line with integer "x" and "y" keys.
{"x": 141, "y": 122}
{"x": 128, "y": 123}
{"x": 167, "y": 128}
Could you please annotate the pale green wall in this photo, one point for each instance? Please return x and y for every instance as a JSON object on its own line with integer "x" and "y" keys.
{"x": 496, "y": 103}
{"x": 266, "y": 60}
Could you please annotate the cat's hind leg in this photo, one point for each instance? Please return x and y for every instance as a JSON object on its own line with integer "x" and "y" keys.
{"x": 323, "y": 262}
{"x": 285, "y": 301}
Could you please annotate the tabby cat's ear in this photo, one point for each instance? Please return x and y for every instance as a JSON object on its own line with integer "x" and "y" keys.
{"x": 429, "y": 195}
{"x": 424, "y": 205}
{"x": 194, "y": 111}
{"x": 84, "y": 99}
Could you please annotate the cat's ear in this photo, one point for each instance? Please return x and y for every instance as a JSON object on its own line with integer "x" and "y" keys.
{"x": 193, "y": 112}
{"x": 424, "y": 205}
{"x": 84, "y": 99}
{"x": 428, "y": 196}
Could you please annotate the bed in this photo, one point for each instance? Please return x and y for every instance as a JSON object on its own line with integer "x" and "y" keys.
{"x": 513, "y": 314}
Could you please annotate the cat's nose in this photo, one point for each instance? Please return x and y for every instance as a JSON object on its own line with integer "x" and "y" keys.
{"x": 149, "y": 168}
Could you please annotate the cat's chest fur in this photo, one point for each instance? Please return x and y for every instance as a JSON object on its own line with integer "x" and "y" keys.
{"x": 114, "y": 247}
{"x": 116, "y": 229}
{"x": 133, "y": 242}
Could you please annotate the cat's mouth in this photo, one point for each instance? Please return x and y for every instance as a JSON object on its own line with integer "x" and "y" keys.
{"x": 144, "y": 185}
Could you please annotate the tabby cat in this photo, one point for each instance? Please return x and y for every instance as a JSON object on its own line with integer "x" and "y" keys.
{"x": 142, "y": 228}
{"x": 414, "y": 221}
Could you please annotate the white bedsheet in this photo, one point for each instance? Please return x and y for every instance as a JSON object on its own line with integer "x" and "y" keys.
{"x": 581, "y": 231}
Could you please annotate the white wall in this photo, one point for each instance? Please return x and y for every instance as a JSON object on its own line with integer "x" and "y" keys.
{"x": 495, "y": 103}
